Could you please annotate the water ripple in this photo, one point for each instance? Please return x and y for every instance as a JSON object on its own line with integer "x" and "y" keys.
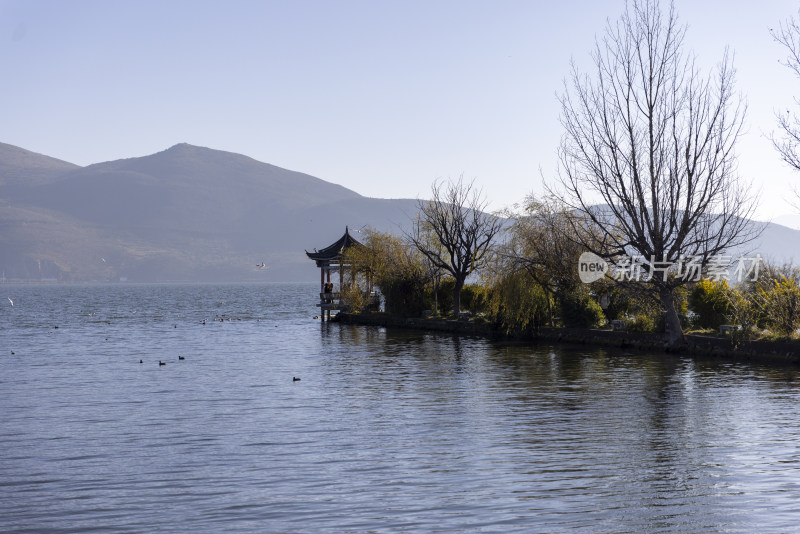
{"x": 388, "y": 431}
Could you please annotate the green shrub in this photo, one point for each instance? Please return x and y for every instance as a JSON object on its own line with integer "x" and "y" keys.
{"x": 579, "y": 309}
{"x": 473, "y": 298}
{"x": 709, "y": 301}
{"x": 781, "y": 298}
{"x": 637, "y": 304}
{"x": 445, "y": 296}
{"x": 404, "y": 295}
{"x": 646, "y": 322}
{"x": 353, "y": 298}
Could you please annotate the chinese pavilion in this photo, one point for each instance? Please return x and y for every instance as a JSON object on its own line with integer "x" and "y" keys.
{"x": 331, "y": 259}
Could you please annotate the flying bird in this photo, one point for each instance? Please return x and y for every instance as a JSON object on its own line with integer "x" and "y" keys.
{"x": 11, "y": 301}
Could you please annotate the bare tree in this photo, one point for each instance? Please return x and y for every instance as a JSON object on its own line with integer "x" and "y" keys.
{"x": 648, "y": 152}
{"x": 788, "y": 143}
{"x": 463, "y": 231}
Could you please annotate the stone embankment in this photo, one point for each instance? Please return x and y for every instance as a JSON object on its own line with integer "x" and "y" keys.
{"x": 713, "y": 346}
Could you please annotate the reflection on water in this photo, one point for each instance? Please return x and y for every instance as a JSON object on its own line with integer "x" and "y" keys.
{"x": 387, "y": 431}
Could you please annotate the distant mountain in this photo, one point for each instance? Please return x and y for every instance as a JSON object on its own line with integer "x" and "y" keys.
{"x": 187, "y": 213}
{"x": 778, "y": 244}
{"x": 185, "y": 191}
{"x": 193, "y": 214}
{"x": 20, "y": 167}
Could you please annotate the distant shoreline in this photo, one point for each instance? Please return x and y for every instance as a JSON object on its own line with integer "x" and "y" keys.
{"x": 697, "y": 345}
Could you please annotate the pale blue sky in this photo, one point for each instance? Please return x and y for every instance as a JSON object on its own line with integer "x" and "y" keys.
{"x": 380, "y": 96}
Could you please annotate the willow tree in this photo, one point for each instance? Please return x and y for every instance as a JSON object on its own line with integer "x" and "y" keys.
{"x": 648, "y": 152}
{"x": 537, "y": 242}
{"x": 454, "y": 232}
{"x": 393, "y": 266}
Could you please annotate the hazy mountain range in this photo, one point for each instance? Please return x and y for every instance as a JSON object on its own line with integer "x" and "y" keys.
{"x": 187, "y": 213}
{"x": 191, "y": 214}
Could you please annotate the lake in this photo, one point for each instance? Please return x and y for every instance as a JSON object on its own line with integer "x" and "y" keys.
{"x": 386, "y": 430}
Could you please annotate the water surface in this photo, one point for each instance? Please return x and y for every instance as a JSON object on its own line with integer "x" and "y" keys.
{"x": 387, "y": 430}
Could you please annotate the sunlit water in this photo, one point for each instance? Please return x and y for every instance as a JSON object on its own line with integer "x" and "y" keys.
{"x": 387, "y": 431}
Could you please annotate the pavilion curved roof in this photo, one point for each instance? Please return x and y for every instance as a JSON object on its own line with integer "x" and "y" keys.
{"x": 334, "y": 252}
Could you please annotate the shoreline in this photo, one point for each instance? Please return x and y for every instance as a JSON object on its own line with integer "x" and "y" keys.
{"x": 697, "y": 345}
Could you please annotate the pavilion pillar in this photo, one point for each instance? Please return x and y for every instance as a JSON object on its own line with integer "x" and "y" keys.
{"x": 329, "y": 281}
{"x": 322, "y": 290}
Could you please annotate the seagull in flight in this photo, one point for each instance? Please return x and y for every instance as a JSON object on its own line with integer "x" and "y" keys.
{"x": 11, "y": 301}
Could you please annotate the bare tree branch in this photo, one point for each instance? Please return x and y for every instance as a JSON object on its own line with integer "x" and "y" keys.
{"x": 648, "y": 150}
{"x": 788, "y": 143}
{"x": 462, "y": 231}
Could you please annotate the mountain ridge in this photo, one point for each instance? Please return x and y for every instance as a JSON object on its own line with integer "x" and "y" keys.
{"x": 19, "y": 167}
{"x": 191, "y": 213}
{"x": 187, "y": 212}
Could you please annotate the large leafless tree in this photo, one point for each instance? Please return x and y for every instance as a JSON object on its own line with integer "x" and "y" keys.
{"x": 787, "y": 143}
{"x": 648, "y": 151}
{"x": 454, "y": 231}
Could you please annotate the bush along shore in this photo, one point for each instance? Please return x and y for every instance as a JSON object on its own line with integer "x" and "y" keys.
{"x": 726, "y": 347}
